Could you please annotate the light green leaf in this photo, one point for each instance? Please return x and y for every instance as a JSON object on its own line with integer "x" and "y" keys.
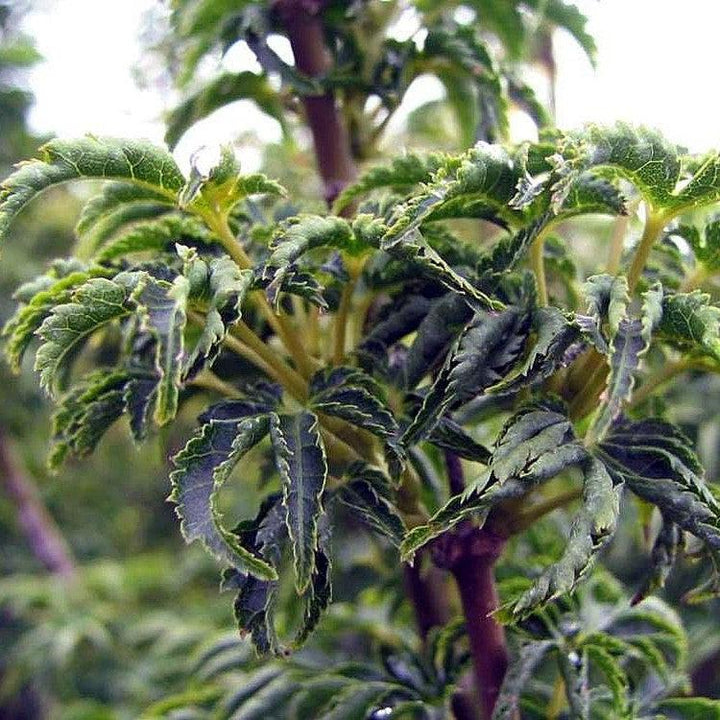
{"x": 608, "y": 300}
{"x": 155, "y": 235}
{"x": 402, "y": 173}
{"x": 697, "y": 708}
{"x": 134, "y": 161}
{"x": 223, "y": 187}
{"x": 227, "y": 287}
{"x": 113, "y": 198}
{"x": 300, "y": 458}
{"x": 592, "y": 527}
{"x": 93, "y": 305}
{"x": 639, "y": 155}
{"x": 52, "y": 290}
{"x": 691, "y": 323}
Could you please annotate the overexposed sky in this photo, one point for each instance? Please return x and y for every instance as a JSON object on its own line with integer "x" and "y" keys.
{"x": 655, "y": 66}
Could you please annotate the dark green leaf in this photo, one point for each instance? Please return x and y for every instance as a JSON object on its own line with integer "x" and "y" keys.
{"x": 536, "y": 444}
{"x": 349, "y": 394}
{"x": 366, "y": 495}
{"x": 161, "y": 307}
{"x": 300, "y": 458}
{"x": 657, "y": 463}
{"x": 230, "y": 430}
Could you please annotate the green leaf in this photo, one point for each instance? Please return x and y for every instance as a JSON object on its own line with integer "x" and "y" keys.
{"x": 400, "y": 174}
{"x": 316, "y": 598}
{"x": 463, "y": 48}
{"x": 229, "y": 431}
{"x": 702, "y": 189}
{"x": 270, "y": 700}
{"x": 445, "y": 319}
{"x": 568, "y": 17}
{"x": 161, "y": 307}
{"x": 705, "y": 242}
{"x": 449, "y": 435}
{"x": 46, "y": 292}
{"x": 553, "y": 333}
{"x": 156, "y": 236}
{"x": 509, "y": 251}
{"x": 85, "y": 413}
{"x": 219, "y": 92}
{"x": 657, "y": 463}
{"x": 484, "y": 352}
{"x": 691, "y": 323}
{"x": 574, "y": 670}
{"x": 481, "y": 184}
{"x": 626, "y": 349}
{"x": 350, "y": 394}
{"x": 223, "y": 187}
{"x": 256, "y": 598}
{"x": 592, "y": 527}
{"x": 521, "y": 669}
{"x": 93, "y": 305}
{"x": 114, "y": 198}
{"x": 316, "y": 695}
{"x": 667, "y": 547}
{"x": 615, "y": 677}
{"x": 300, "y": 458}
{"x": 608, "y": 300}
{"x": 100, "y": 158}
{"x": 300, "y": 235}
{"x": 227, "y": 287}
{"x": 366, "y": 494}
{"x": 536, "y": 444}
{"x": 639, "y": 155}
{"x": 689, "y": 709}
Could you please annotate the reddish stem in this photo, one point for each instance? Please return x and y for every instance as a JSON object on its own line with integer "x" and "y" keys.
{"x": 43, "y": 536}
{"x": 470, "y": 554}
{"x": 424, "y": 589}
{"x": 332, "y": 147}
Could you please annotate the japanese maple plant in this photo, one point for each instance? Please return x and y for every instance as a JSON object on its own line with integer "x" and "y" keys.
{"x": 460, "y": 362}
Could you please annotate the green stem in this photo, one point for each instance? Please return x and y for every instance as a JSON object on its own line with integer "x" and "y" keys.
{"x": 208, "y": 380}
{"x": 295, "y": 383}
{"x": 533, "y": 513}
{"x": 537, "y": 263}
{"x": 653, "y": 227}
{"x": 343, "y": 313}
{"x": 305, "y": 364}
{"x": 617, "y": 242}
{"x": 654, "y": 381}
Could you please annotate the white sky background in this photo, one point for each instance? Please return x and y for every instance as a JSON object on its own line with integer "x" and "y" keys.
{"x": 656, "y": 66}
